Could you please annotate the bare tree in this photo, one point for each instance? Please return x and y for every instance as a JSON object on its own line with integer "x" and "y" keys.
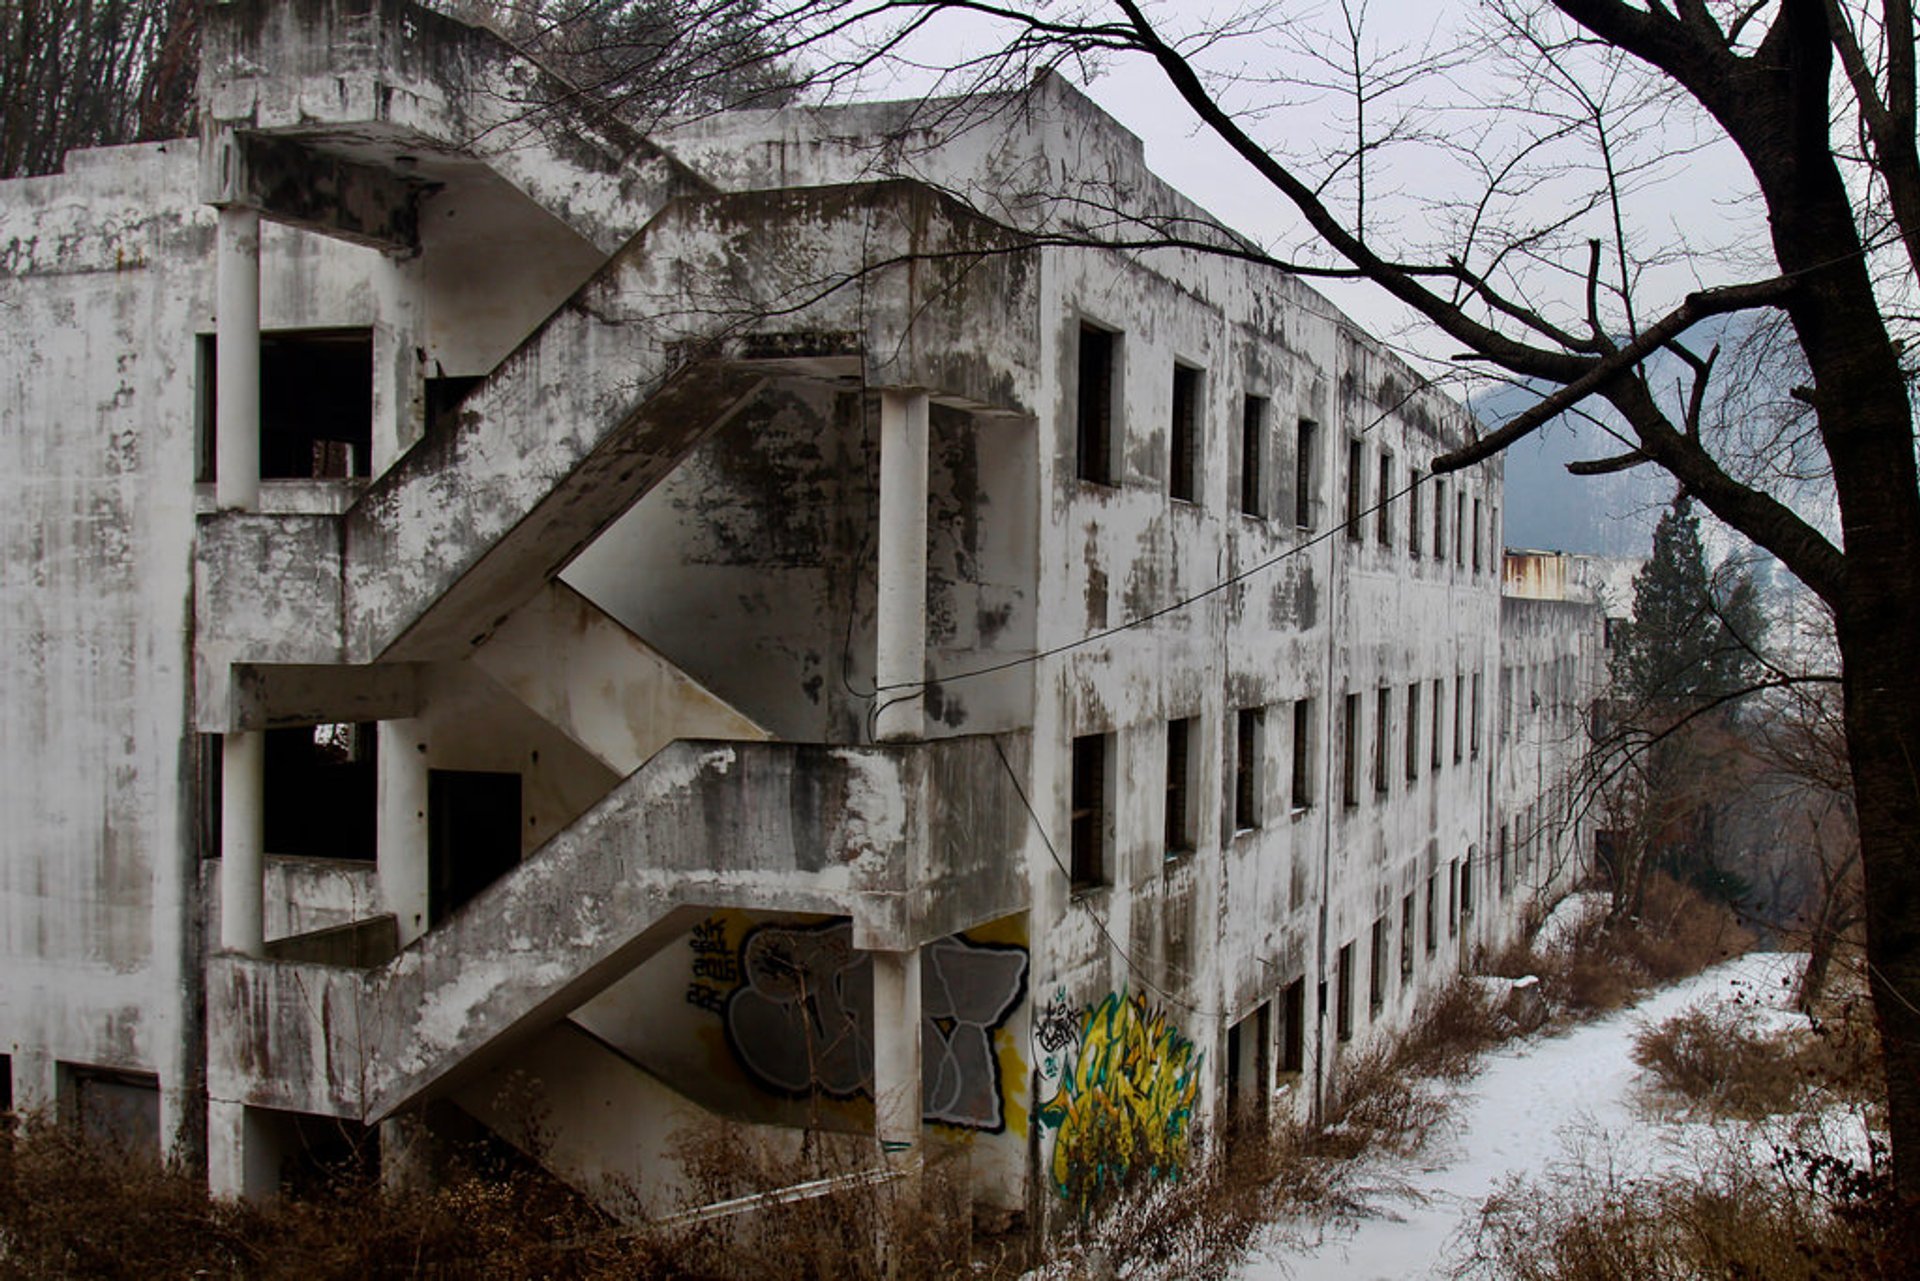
{"x": 88, "y": 73}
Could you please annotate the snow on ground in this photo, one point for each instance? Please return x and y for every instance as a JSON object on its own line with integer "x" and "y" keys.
{"x": 1532, "y": 1106}
{"x": 1568, "y": 916}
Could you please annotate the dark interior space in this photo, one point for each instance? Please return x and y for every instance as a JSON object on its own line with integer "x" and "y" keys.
{"x": 473, "y": 835}
{"x": 321, "y": 791}
{"x": 316, "y": 404}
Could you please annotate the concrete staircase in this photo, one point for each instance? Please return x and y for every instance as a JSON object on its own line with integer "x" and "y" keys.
{"x": 650, "y": 357}
{"x": 355, "y": 87}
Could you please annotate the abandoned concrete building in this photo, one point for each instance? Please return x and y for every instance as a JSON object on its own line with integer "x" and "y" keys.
{"x": 712, "y": 624}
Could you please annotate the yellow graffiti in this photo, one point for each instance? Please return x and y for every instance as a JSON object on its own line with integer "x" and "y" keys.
{"x": 1127, "y": 1102}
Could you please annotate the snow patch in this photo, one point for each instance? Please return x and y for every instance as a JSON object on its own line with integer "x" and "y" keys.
{"x": 1569, "y": 916}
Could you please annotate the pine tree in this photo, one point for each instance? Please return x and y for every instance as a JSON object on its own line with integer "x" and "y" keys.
{"x": 1695, "y": 637}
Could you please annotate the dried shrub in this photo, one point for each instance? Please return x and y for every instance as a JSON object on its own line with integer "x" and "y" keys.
{"x": 861, "y": 1226}
{"x": 74, "y": 1206}
{"x": 1800, "y": 1216}
{"x": 1714, "y": 1059}
{"x": 1710, "y": 1057}
{"x": 1601, "y": 964}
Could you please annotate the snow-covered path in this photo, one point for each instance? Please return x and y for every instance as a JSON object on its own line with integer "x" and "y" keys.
{"x": 1528, "y": 1107}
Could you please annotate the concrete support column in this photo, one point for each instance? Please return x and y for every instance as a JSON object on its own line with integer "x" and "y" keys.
{"x": 897, "y": 1105}
{"x": 237, "y": 354}
{"x": 243, "y": 1151}
{"x": 402, "y": 826}
{"x": 243, "y": 843}
{"x": 900, "y": 623}
{"x": 409, "y": 1154}
{"x": 399, "y": 381}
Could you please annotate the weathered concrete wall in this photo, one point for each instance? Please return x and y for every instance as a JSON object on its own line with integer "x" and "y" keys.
{"x": 105, "y": 283}
{"x": 1553, "y": 668}
{"x": 98, "y": 877}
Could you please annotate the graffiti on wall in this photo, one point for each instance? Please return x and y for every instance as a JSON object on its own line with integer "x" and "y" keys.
{"x": 801, "y": 1019}
{"x": 795, "y": 1003}
{"x": 1123, "y": 1099}
{"x": 967, "y": 990}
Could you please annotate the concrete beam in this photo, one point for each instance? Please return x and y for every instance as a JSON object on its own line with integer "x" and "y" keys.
{"x": 290, "y": 182}
{"x": 267, "y": 696}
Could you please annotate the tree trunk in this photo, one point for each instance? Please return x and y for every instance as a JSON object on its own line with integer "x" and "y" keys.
{"x": 1883, "y": 740}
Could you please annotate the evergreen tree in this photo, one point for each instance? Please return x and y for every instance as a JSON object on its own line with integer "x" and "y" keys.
{"x": 1694, "y": 637}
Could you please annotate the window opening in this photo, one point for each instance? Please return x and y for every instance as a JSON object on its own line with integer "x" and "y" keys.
{"x": 1178, "y": 818}
{"x": 1303, "y": 470}
{"x": 1302, "y": 754}
{"x": 1093, "y": 453}
{"x": 1253, "y": 456}
{"x": 1246, "y": 768}
{"x": 1184, "y": 435}
{"x": 1089, "y": 811}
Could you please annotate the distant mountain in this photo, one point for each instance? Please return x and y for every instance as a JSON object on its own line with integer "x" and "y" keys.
{"x": 1545, "y": 508}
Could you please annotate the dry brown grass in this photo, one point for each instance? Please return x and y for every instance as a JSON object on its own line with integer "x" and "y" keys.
{"x": 1605, "y": 965}
{"x": 1800, "y": 1217}
{"x": 1715, "y": 1059}
{"x": 76, "y": 1208}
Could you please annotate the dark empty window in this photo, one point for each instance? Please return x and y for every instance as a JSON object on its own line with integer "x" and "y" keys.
{"x": 1089, "y": 811}
{"x": 1183, "y": 434}
{"x": 209, "y": 773}
{"x": 1406, "y": 939}
{"x": 1382, "y": 736}
{"x": 1302, "y": 754}
{"x": 1179, "y": 762}
{"x": 1505, "y": 887}
{"x": 1356, "y": 487}
{"x": 1293, "y": 1028}
{"x": 316, "y": 404}
{"x": 1466, "y": 887}
{"x": 1453, "y": 898}
{"x": 1459, "y": 683}
{"x": 1246, "y": 769}
{"x": 1476, "y": 535}
{"x": 1253, "y": 456}
{"x": 1413, "y": 731}
{"x": 1093, "y": 447}
{"x": 204, "y": 373}
{"x": 1383, "y": 512}
{"x": 1343, "y": 995}
{"x": 1413, "y": 514}
{"x": 473, "y": 835}
{"x": 1439, "y": 714}
{"x": 1460, "y": 531}
{"x": 1303, "y": 469}
{"x": 1349, "y": 753}
{"x": 320, "y": 791}
{"x": 1377, "y": 969}
{"x": 1433, "y": 911}
{"x": 1439, "y": 519}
